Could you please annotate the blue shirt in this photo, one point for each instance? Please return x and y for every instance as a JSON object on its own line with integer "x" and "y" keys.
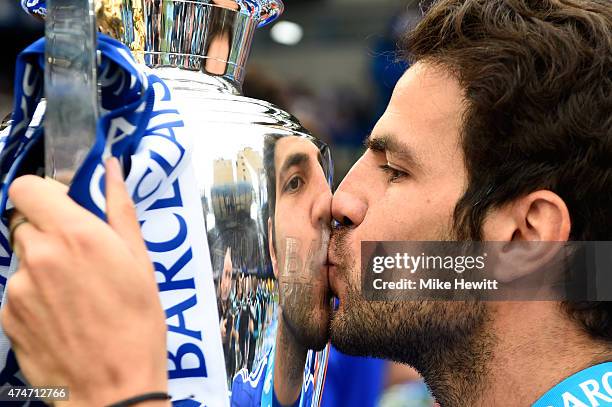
{"x": 352, "y": 381}
{"x": 587, "y": 388}
{"x": 257, "y": 389}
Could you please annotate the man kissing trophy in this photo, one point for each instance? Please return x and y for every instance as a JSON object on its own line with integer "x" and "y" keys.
{"x": 242, "y": 282}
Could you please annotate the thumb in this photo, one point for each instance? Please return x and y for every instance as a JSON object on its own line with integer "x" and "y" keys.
{"x": 120, "y": 211}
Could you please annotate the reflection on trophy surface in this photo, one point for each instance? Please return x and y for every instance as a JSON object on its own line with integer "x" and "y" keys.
{"x": 299, "y": 226}
{"x": 236, "y": 243}
{"x": 298, "y": 231}
{"x": 278, "y": 312}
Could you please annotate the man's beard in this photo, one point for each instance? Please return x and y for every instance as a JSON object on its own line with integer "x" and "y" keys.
{"x": 448, "y": 343}
{"x": 305, "y": 300}
{"x": 308, "y": 324}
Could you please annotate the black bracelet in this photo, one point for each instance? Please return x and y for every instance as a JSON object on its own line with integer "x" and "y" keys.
{"x": 141, "y": 398}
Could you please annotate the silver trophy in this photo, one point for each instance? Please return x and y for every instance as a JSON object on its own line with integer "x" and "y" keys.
{"x": 264, "y": 183}
{"x": 70, "y": 86}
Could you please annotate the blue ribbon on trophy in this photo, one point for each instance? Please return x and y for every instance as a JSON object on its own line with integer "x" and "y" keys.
{"x": 141, "y": 127}
{"x": 35, "y": 7}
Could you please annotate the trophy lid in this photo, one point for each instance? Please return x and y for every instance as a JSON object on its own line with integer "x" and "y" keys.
{"x": 211, "y": 36}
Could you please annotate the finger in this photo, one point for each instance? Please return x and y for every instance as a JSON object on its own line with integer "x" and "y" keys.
{"x": 15, "y": 315}
{"x": 45, "y": 203}
{"x": 59, "y": 185}
{"x": 22, "y": 234}
{"x": 12, "y": 327}
{"x": 120, "y": 211}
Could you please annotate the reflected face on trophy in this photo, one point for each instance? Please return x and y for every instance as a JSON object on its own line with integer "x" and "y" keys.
{"x": 298, "y": 230}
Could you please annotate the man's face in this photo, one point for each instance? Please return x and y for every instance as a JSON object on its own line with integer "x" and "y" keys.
{"x": 301, "y": 235}
{"x": 404, "y": 187}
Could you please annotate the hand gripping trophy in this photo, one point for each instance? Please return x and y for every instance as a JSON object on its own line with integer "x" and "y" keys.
{"x": 233, "y": 194}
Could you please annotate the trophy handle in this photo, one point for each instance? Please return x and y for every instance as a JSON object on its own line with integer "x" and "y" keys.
{"x": 269, "y": 11}
{"x": 71, "y": 88}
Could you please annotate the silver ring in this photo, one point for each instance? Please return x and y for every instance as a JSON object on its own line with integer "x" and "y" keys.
{"x": 14, "y": 227}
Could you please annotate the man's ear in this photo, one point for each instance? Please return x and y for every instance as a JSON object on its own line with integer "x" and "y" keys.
{"x": 271, "y": 249}
{"x": 540, "y": 216}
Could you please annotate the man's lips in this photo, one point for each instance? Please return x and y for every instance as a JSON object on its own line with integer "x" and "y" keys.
{"x": 332, "y": 276}
{"x": 332, "y": 272}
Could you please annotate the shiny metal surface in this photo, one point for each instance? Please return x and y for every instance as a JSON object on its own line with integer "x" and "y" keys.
{"x": 267, "y": 253}
{"x": 232, "y": 135}
{"x": 211, "y": 36}
{"x": 70, "y": 86}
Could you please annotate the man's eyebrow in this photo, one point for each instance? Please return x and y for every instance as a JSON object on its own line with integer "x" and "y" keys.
{"x": 375, "y": 144}
{"x": 390, "y": 143}
{"x": 296, "y": 159}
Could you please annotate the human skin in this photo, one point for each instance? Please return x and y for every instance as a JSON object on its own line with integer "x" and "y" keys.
{"x": 299, "y": 255}
{"x": 405, "y": 187}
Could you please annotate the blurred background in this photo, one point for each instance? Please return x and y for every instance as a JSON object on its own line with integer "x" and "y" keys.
{"x": 331, "y": 63}
{"x": 17, "y": 30}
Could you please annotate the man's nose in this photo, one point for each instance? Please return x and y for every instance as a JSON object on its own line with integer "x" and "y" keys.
{"x": 348, "y": 207}
{"x": 321, "y": 211}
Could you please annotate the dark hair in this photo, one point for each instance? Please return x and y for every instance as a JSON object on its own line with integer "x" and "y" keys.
{"x": 537, "y": 76}
{"x": 269, "y": 150}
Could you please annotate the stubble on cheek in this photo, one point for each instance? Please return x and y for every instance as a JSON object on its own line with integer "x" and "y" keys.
{"x": 430, "y": 336}
{"x": 293, "y": 263}
{"x": 301, "y": 266}
{"x": 346, "y": 261}
{"x": 303, "y": 294}
{"x": 302, "y": 285}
